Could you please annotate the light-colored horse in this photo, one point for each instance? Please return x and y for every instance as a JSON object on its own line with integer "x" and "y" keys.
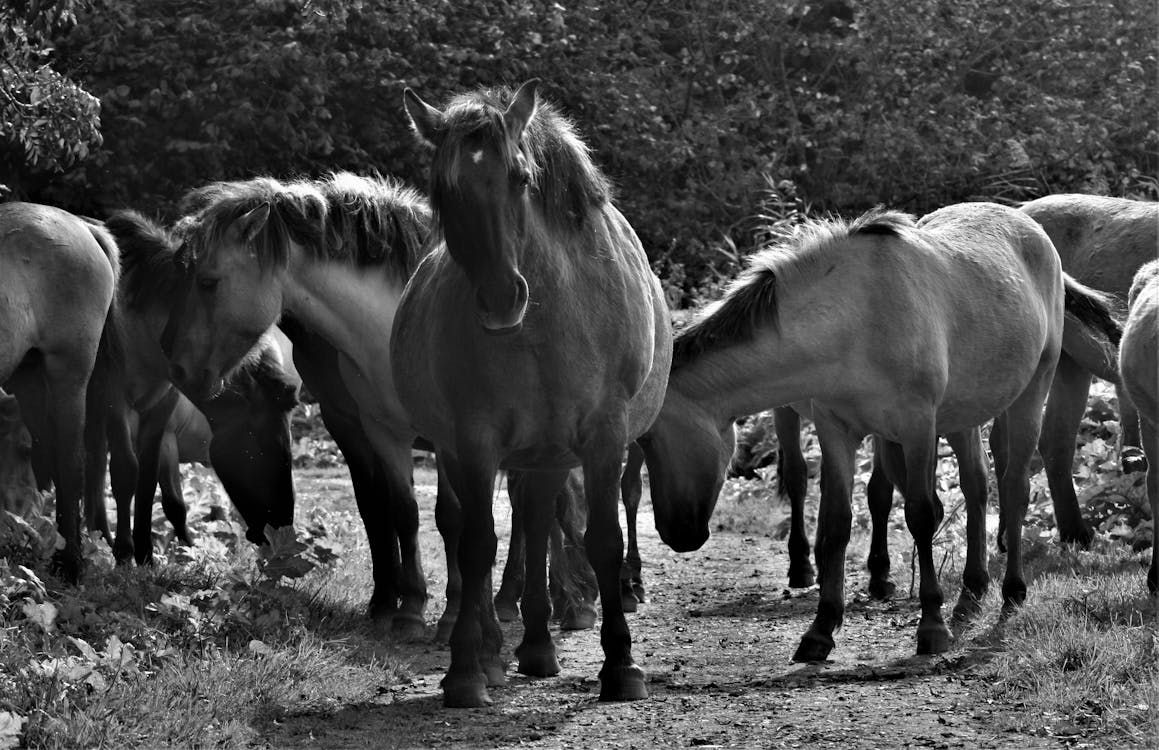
{"x": 334, "y": 255}
{"x": 891, "y": 328}
{"x": 57, "y": 280}
{"x": 1101, "y": 242}
{"x": 533, "y": 337}
{"x": 1139, "y": 368}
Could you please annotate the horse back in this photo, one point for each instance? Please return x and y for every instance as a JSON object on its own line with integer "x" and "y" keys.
{"x": 1139, "y": 351}
{"x": 1101, "y": 241}
{"x": 58, "y": 283}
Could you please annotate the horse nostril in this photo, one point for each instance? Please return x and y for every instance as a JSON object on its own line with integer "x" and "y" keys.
{"x": 177, "y": 373}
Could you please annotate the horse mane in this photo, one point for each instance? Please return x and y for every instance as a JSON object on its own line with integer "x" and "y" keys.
{"x": 751, "y": 300}
{"x": 148, "y": 273}
{"x": 343, "y": 216}
{"x": 565, "y": 182}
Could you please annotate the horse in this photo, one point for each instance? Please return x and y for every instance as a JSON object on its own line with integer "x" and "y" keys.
{"x": 58, "y": 276}
{"x": 886, "y": 326}
{"x": 330, "y": 258}
{"x": 147, "y": 422}
{"x": 19, "y": 490}
{"x": 1102, "y": 242}
{"x": 534, "y": 336}
{"x": 1139, "y": 375}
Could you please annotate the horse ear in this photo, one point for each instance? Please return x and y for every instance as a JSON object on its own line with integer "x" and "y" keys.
{"x": 253, "y": 221}
{"x": 425, "y": 119}
{"x": 521, "y": 109}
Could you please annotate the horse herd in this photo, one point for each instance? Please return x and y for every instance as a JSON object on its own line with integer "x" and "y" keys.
{"x": 513, "y": 323}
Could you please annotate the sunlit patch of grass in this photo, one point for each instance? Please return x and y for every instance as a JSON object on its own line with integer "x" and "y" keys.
{"x": 1081, "y": 656}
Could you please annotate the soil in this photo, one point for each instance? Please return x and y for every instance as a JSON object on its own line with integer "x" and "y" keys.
{"x": 715, "y": 637}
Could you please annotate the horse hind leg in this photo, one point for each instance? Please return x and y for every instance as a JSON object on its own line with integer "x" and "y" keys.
{"x": 66, "y": 393}
{"x": 972, "y": 477}
{"x": 631, "y": 491}
{"x": 1149, "y": 434}
{"x": 513, "y": 581}
{"x": 571, "y": 577}
{"x": 879, "y": 497}
{"x": 172, "y": 498}
{"x": 1056, "y": 444}
{"x": 793, "y": 482}
{"x": 1132, "y": 448}
{"x": 408, "y": 620}
{"x": 1017, "y": 432}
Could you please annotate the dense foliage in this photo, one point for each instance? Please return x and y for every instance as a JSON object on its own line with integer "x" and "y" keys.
{"x": 47, "y": 122}
{"x": 695, "y": 108}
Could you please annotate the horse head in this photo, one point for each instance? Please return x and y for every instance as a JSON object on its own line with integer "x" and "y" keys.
{"x": 687, "y": 454}
{"x": 480, "y": 182}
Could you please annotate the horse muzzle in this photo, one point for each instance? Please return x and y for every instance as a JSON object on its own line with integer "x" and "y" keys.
{"x": 198, "y": 387}
{"x": 501, "y": 305}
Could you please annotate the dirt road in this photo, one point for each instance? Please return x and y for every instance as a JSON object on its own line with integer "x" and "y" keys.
{"x": 715, "y": 637}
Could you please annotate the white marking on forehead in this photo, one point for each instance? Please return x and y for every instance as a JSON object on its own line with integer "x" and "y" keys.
{"x": 477, "y": 156}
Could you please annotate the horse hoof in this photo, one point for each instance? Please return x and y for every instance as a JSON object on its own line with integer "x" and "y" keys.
{"x": 802, "y": 578}
{"x": 537, "y": 661}
{"x": 1133, "y": 460}
{"x": 67, "y": 567}
{"x": 495, "y": 671}
{"x": 934, "y": 639}
{"x": 579, "y": 617}
{"x": 123, "y": 552}
{"x": 1081, "y": 536}
{"x": 465, "y": 691}
{"x": 623, "y": 684}
{"x": 506, "y": 610}
{"x": 881, "y": 589}
{"x": 968, "y": 607}
{"x": 813, "y": 647}
{"x": 638, "y": 590}
{"x": 407, "y": 626}
{"x": 629, "y": 602}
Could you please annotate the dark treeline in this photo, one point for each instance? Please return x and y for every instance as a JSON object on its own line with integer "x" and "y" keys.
{"x": 695, "y": 108}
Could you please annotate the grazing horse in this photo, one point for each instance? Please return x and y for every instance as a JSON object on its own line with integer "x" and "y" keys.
{"x": 58, "y": 276}
{"x": 1101, "y": 242}
{"x": 1139, "y": 370}
{"x": 18, "y": 487}
{"x": 147, "y": 421}
{"x": 893, "y": 328}
{"x": 333, "y": 256}
{"x": 534, "y": 337}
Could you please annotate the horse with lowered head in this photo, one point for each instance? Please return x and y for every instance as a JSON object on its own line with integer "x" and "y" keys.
{"x": 900, "y": 329}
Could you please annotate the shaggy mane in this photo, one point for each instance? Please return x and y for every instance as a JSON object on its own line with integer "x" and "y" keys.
{"x": 751, "y": 300}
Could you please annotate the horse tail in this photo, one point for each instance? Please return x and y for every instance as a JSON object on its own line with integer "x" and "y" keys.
{"x": 111, "y": 351}
{"x": 1092, "y": 329}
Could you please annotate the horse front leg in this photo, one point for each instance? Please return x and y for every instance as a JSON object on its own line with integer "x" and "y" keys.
{"x": 793, "y": 483}
{"x": 123, "y": 480}
{"x": 838, "y": 457}
{"x": 620, "y": 678}
{"x": 474, "y": 643}
{"x": 972, "y": 477}
{"x": 631, "y": 490}
{"x": 535, "y": 494}
{"x": 923, "y": 514}
{"x": 396, "y": 466}
{"x": 150, "y": 433}
{"x": 879, "y": 497}
{"x": 449, "y": 522}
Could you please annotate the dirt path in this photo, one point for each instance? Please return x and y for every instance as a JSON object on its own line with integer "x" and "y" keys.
{"x": 715, "y": 637}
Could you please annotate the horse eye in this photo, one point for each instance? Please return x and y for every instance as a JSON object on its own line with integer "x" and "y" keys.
{"x": 523, "y": 179}
{"x": 207, "y": 284}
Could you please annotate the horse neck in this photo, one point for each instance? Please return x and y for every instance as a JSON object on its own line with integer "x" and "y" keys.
{"x": 771, "y": 370}
{"x": 338, "y": 301}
